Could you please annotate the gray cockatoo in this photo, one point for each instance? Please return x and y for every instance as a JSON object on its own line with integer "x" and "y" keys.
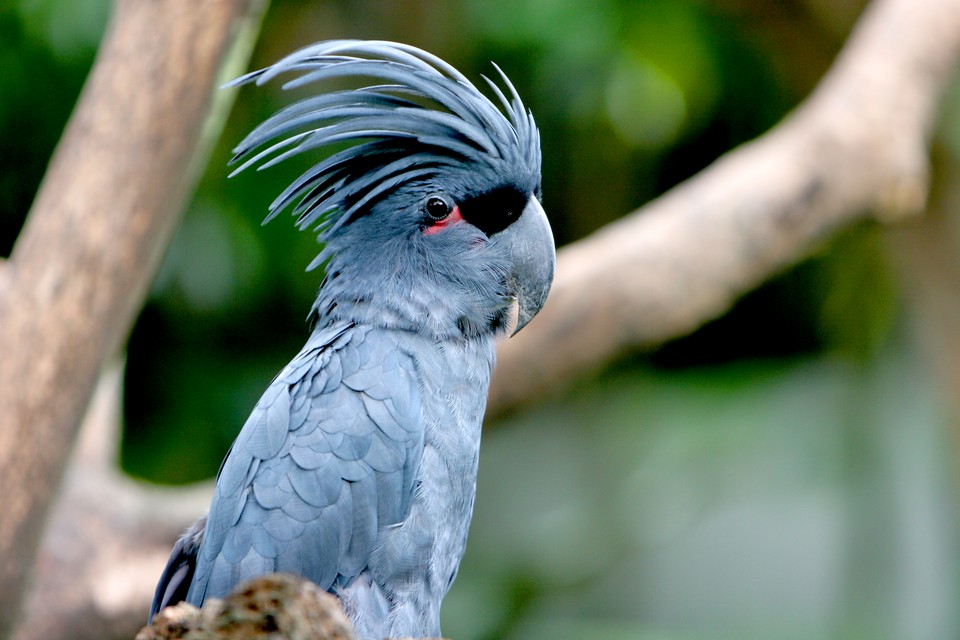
{"x": 357, "y": 468}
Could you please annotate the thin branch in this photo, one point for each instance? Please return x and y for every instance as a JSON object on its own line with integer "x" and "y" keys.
{"x": 82, "y": 264}
{"x": 856, "y": 148}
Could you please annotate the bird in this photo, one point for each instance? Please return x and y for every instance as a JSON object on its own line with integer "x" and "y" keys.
{"x": 357, "y": 468}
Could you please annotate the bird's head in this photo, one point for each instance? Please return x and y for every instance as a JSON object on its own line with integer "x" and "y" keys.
{"x": 429, "y": 209}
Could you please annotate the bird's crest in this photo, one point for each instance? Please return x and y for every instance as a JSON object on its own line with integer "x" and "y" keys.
{"x": 418, "y": 116}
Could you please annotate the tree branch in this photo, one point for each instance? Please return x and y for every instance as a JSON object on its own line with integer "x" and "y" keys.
{"x": 108, "y": 538}
{"x": 82, "y": 264}
{"x": 267, "y": 607}
{"x": 856, "y": 148}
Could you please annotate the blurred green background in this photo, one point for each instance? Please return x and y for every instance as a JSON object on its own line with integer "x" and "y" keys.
{"x": 788, "y": 471}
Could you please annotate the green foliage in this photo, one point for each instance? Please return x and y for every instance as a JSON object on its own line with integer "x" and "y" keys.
{"x": 859, "y": 303}
{"x": 46, "y": 49}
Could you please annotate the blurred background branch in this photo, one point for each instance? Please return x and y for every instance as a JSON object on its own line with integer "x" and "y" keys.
{"x": 108, "y": 536}
{"x": 858, "y": 147}
{"x": 854, "y": 152}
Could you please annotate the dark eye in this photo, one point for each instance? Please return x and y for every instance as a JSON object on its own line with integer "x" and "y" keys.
{"x": 438, "y": 207}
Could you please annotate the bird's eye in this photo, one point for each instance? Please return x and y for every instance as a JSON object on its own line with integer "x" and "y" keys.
{"x": 438, "y": 207}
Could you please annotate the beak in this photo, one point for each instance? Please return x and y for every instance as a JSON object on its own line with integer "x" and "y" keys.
{"x": 529, "y": 243}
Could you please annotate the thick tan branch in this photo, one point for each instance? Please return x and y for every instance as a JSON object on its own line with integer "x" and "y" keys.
{"x": 92, "y": 241}
{"x": 857, "y": 147}
{"x": 108, "y": 537}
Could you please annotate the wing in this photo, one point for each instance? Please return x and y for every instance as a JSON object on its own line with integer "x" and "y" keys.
{"x": 178, "y": 574}
{"x": 326, "y": 460}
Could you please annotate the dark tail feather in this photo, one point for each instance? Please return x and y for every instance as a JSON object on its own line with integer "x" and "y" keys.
{"x": 176, "y": 578}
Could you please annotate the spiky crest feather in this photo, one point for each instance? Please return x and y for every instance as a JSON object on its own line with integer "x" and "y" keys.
{"x": 425, "y": 117}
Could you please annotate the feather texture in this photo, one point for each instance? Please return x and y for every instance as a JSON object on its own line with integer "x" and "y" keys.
{"x": 312, "y": 501}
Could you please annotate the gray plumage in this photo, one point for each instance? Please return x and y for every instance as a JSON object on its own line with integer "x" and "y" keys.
{"x": 357, "y": 467}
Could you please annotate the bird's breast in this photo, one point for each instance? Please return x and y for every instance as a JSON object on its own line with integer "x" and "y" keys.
{"x": 418, "y": 559}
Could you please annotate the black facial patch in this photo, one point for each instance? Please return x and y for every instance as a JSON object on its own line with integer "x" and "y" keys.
{"x": 494, "y": 210}
{"x": 470, "y": 328}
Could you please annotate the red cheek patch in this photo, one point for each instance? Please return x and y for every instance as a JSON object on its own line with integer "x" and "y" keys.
{"x": 439, "y": 225}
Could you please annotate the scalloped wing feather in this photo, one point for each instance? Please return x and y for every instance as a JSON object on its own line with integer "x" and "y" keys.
{"x": 311, "y": 496}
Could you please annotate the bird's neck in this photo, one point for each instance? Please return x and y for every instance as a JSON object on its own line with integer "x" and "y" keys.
{"x": 389, "y": 306}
